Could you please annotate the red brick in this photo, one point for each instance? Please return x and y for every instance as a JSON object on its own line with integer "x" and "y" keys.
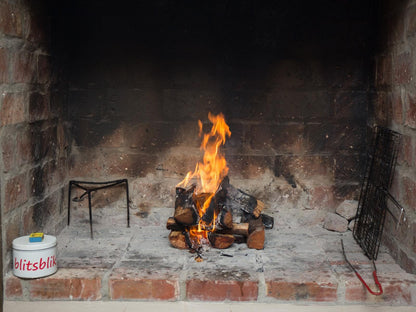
{"x": 321, "y": 197}
{"x": 335, "y": 137}
{"x": 348, "y": 168}
{"x": 24, "y": 67}
{"x": 405, "y": 156}
{"x": 12, "y": 230}
{"x": 23, "y": 147}
{"x": 43, "y": 141}
{"x": 349, "y": 104}
{"x": 8, "y": 147}
{"x": 394, "y": 291}
{"x": 304, "y": 167}
{"x": 246, "y": 167}
{"x": 397, "y": 108}
{"x": 29, "y": 224}
{"x": 69, "y": 284}
{"x": 110, "y": 163}
{"x": 409, "y": 194}
{"x": 402, "y": 68}
{"x": 403, "y": 236}
{"x": 13, "y": 287}
{"x": 10, "y": 20}
{"x": 282, "y": 138}
{"x": 406, "y": 262}
{"x": 302, "y": 291}
{"x": 395, "y": 188}
{"x": 137, "y": 284}
{"x": 150, "y": 289}
{"x": 40, "y": 215}
{"x": 414, "y": 152}
{"x": 289, "y": 73}
{"x": 410, "y": 112}
{"x": 44, "y": 69}
{"x": 383, "y": 70}
{"x": 4, "y": 66}
{"x": 219, "y": 290}
{"x": 38, "y": 28}
{"x": 17, "y": 192}
{"x": 13, "y": 109}
{"x": 87, "y": 131}
{"x": 62, "y": 140}
{"x": 38, "y": 106}
{"x": 411, "y": 21}
{"x": 382, "y": 108}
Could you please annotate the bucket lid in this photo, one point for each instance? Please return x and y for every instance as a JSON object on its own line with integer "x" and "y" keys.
{"x": 22, "y": 243}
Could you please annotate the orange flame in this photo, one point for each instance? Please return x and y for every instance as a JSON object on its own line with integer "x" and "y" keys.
{"x": 210, "y": 171}
{"x": 214, "y": 166}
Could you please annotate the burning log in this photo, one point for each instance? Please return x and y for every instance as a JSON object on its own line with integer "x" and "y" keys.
{"x": 238, "y": 200}
{"x": 215, "y": 206}
{"x": 186, "y": 216}
{"x": 256, "y": 237}
{"x": 185, "y": 212}
{"x": 221, "y": 241}
{"x": 241, "y": 203}
{"x": 240, "y": 239}
{"x": 267, "y": 221}
{"x": 225, "y": 218}
{"x": 237, "y": 229}
{"x": 172, "y": 225}
{"x": 177, "y": 240}
{"x": 258, "y": 209}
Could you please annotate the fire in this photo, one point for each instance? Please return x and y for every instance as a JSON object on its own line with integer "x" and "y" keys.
{"x": 208, "y": 173}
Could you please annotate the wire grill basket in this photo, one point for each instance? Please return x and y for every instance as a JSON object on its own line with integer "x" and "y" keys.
{"x": 372, "y": 205}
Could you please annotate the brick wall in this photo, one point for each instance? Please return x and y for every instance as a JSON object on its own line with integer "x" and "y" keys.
{"x": 32, "y": 140}
{"x": 395, "y": 107}
{"x": 292, "y": 82}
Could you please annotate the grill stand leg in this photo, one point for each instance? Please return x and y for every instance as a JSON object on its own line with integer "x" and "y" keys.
{"x": 128, "y": 203}
{"x": 89, "y": 207}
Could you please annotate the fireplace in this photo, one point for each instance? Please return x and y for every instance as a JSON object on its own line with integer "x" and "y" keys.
{"x": 100, "y": 91}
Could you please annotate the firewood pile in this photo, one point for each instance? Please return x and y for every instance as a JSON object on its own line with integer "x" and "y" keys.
{"x": 219, "y": 220}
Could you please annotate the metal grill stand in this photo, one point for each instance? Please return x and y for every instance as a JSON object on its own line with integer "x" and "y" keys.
{"x": 89, "y": 187}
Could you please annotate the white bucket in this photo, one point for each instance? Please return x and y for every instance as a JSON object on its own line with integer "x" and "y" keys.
{"x": 32, "y": 260}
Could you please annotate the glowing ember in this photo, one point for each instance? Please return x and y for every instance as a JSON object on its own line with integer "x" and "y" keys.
{"x": 209, "y": 174}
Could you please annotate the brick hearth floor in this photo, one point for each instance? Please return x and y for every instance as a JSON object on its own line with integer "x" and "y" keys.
{"x": 303, "y": 265}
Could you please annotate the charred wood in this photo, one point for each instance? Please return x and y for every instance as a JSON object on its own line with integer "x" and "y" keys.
{"x": 215, "y": 205}
{"x": 268, "y": 221}
{"x": 225, "y": 218}
{"x": 237, "y": 228}
{"x": 186, "y": 215}
{"x": 200, "y": 199}
{"x": 185, "y": 212}
{"x": 240, "y": 239}
{"x": 239, "y": 201}
{"x": 177, "y": 240}
{"x": 255, "y": 239}
{"x": 173, "y": 225}
{"x": 259, "y": 208}
{"x": 221, "y": 241}
{"x": 255, "y": 224}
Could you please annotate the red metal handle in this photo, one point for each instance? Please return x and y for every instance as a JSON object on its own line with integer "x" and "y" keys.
{"x": 380, "y": 291}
